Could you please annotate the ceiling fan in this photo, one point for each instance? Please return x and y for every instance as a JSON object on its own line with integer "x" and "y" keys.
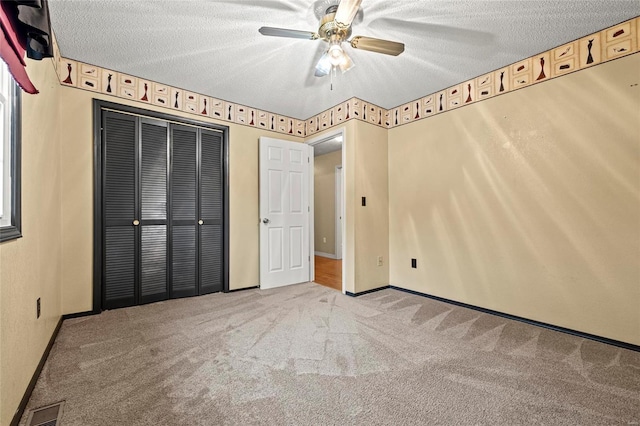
{"x": 335, "y": 28}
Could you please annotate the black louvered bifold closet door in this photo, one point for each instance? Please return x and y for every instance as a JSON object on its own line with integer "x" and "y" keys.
{"x": 211, "y": 202}
{"x": 184, "y": 209}
{"x": 154, "y": 140}
{"x": 119, "y": 205}
{"x": 162, "y": 210}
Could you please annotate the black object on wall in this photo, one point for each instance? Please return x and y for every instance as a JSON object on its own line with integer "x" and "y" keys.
{"x": 161, "y": 207}
{"x": 25, "y": 27}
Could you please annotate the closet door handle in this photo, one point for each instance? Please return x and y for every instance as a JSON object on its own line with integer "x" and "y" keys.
{"x": 200, "y": 222}
{"x": 136, "y": 222}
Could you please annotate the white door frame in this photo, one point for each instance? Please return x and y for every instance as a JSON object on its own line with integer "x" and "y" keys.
{"x": 339, "y": 200}
{"x": 312, "y": 235}
{"x": 341, "y": 131}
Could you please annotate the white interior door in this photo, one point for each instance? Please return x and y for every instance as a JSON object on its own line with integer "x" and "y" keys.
{"x": 284, "y": 213}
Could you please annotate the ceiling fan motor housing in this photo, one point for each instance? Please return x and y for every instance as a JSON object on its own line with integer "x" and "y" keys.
{"x": 330, "y": 30}
{"x": 331, "y": 9}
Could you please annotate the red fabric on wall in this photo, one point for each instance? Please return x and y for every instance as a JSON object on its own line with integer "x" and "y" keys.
{"x": 12, "y": 49}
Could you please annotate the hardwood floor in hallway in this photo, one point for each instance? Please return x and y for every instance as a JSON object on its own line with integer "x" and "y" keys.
{"x": 329, "y": 272}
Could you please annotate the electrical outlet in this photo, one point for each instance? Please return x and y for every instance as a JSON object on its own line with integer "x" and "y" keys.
{"x": 38, "y": 308}
{"x": 379, "y": 260}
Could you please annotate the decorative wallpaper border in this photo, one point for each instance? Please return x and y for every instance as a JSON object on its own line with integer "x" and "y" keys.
{"x": 352, "y": 109}
{"x": 611, "y": 43}
{"x": 101, "y": 80}
{"x": 603, "y": 46}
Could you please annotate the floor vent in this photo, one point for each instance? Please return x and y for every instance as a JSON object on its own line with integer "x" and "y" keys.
{"x": 46, "y": 416}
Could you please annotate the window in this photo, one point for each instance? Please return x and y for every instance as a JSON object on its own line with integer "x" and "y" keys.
{"x": 9, "y": 157}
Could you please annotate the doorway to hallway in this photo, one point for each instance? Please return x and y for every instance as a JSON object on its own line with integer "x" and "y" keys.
{"x": 328, "y": 272}
{"x": 328, "y": 210}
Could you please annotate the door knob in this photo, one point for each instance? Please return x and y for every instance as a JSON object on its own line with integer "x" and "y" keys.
{"x": 265, "y": 220}
{"x": 136, "y": 222}
{"x": 200, "y": 222}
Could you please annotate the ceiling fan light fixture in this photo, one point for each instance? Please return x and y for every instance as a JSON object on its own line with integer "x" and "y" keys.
{"x": 339, "y": 58}
{"x": 336, "y": 54}
{"x": 346, "y": 64}
{"x": 324, "y": 66}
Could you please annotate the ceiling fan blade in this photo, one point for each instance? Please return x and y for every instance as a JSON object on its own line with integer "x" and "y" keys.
{"x": 324, "y": 66}
{"x": 433, "y": 31}
{"x": 347, "y": 10}
{"x": 283, "y": 32}
{"x": 265, "y": 4}
{"x": 377, "y": 45}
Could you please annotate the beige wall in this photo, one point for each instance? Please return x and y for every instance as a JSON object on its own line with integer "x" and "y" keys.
{"x": 77, "y": 176}
{"x": 30, "y": 267}
{"x": 371, "y": 221}
{"x": 324, "y": 194}
{"x": 527, "y": 203}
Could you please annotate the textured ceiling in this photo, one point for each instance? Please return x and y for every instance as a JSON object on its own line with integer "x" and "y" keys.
{"x": 213, "y": 46}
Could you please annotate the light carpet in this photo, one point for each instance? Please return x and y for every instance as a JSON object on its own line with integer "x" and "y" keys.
{"x": 308, "y": 355}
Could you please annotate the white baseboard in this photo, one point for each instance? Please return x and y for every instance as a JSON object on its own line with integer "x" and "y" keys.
{"x": 321, "y": 254}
